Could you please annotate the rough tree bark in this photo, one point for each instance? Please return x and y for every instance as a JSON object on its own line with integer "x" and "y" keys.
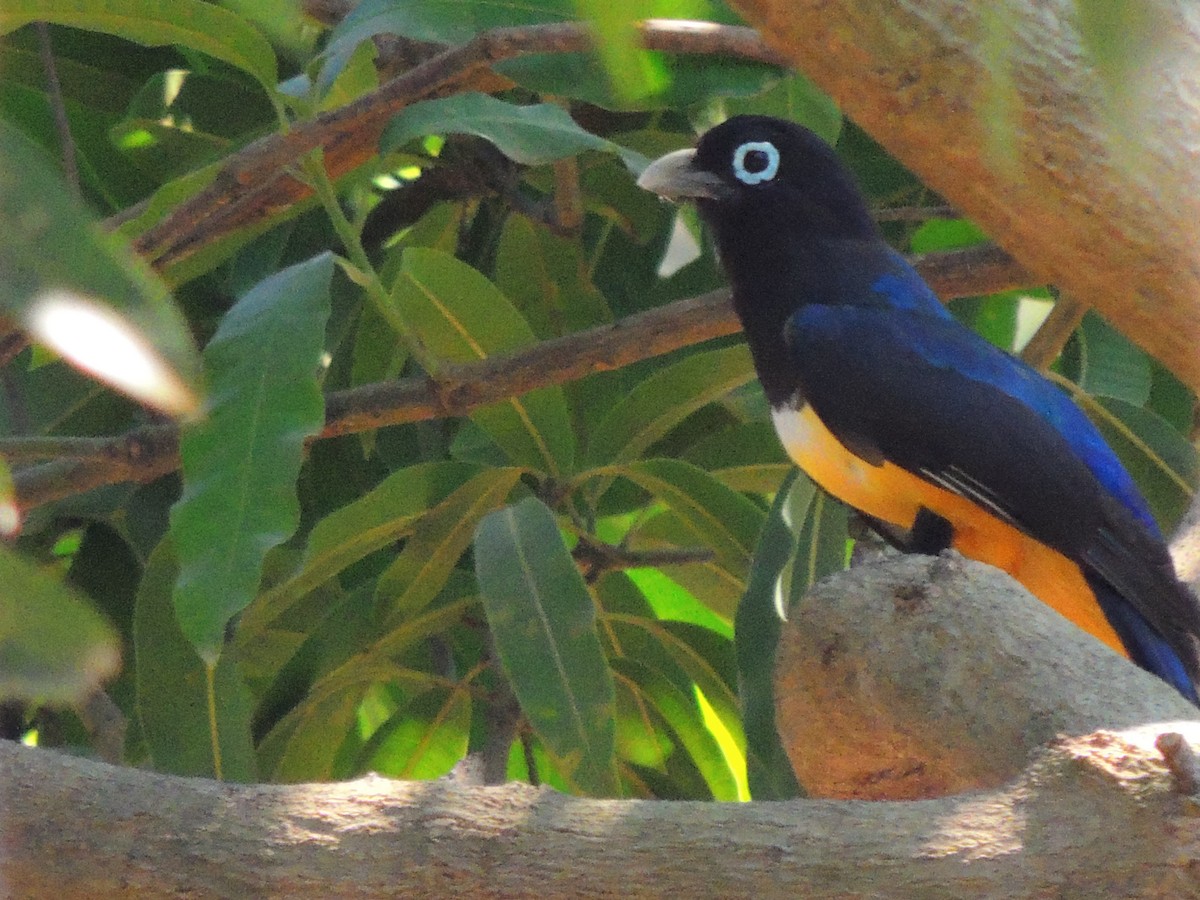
{"x": 1100, "y": 199}
{"x": 1091, "y": 816}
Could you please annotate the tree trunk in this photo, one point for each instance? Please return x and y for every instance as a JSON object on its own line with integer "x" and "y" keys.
{"x": 1091, "y": 183}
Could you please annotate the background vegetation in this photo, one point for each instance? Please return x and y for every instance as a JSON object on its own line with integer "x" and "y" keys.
{"x": 424, "y": 501}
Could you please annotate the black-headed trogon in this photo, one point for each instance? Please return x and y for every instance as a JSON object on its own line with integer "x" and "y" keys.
{"x": 893, "y": 407}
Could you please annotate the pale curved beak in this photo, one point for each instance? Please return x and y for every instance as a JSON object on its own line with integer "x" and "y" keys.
{"x": 675, "y": 177}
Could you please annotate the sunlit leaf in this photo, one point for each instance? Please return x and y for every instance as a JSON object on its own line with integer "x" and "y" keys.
{"x": 685, "y": 718}
{"x": 440, "y": 539}
{"x": 666, "y": 398}
{"x": 460, "y": 316}
{"x": 424, "y": 739}
{"x": 199, "y": 26}
{"x": 718, "y": 517}
{"x": 241, "y": 462}
{"x": 384, "y": 515}
{"x": 756, "y": 631}
{"x": 82, "y": 293}
{"x": 531, "y": 135}
{"x": 542, "y": 620}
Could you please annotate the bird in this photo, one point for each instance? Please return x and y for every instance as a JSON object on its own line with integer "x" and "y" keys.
{"x": 892, "y": 406}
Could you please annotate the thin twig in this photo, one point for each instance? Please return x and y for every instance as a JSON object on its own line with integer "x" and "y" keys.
{"x": 1052, "y": 335}
{"x": 914, "y": 213}
{"x": 147, "y": 453}
{"x": 597, "y": 557}
{"x": 58, "y": 105}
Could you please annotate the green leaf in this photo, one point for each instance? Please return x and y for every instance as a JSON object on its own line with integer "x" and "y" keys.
{"x": 666, "y": 398}
{"x": 441, "y": 537}
{"x": 199, "y": 26}
{"x": 531, "y": 135}
{"x": 444, "y": 21}
{"x": 1104, "y": 363}
{"x": 543, "y": 622}
{"x": 386, "y": 514}
{"x": 183, "y": 731}
{"x": 745, "y": 457}
{"x": 796, "y": 99}
{"x": 54, "y": 646}
{"x": 1163, "y": 462}
{"x": 423, "y": 740}
{"x": 240, "y": 464}
{"x": 682, "y": 713}
{"x": 699, "y": 658}
{"x": 305, "y": 745}
{"x": 756, "y": 634}
{"x": 81, "y": 292}
{"x": 819, "y": 525}
{"x": 460, "y": 316}
{"x": 717, "y": 516}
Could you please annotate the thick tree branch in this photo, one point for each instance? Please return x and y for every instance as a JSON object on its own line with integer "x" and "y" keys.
{"x": 922, "y": 676}
{"x": 1088, "y": 813}
{"x": 1099, "y": 198}
{"x": 150, "y": 452}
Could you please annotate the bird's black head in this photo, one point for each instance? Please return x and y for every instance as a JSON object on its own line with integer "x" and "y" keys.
{"x": 758, "y": 175}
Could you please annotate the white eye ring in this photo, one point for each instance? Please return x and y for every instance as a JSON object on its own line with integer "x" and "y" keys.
{"x": 739, "y": 162}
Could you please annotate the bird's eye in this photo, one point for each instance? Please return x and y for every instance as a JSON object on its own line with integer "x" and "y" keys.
{"x": 755, "y": 162}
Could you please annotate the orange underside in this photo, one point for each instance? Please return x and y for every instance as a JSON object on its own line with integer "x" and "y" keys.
{"x": 890, "y": 493}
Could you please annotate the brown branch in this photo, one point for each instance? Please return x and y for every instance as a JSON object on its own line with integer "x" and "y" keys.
{"x": 147, "y": 453}
{"x": 255, "y": 183}
{"x": 914, "y": 213}
{"x": 1052, "y": 335}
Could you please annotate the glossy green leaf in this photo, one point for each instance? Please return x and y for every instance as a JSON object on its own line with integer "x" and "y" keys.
{"x": 745, "y": 457}
{"x": 1163, "y": 462}
{"x": 718, "y": 517}
{"x": 423, "y": 740}
{"x": 184, "y": 725}
{"x": 444, "y": 21}
{"x": 438, "y": 542}
{"x": 543, "y": 621}
{"x": 819, "y": 525}
{"x": 206, "y": 27}
{"x": 81, "y": 292}
{"x": 530, "y": 135}
{"x": 713, "y": 584}
{"x": 54, "y": 646}
{"x": 756, "y": 634}
{"x": 1104, "y": 363}
{"x": 683, "y": 715}
{"x": 796, "y": 99}
{"x": 701, "y": 657}
{"x": 386, "y": 514}
{"x": 460, "y": 316}
{"x": 305, "y": 746}
{"x": 666, "y": 398}
{"x": 545, "y": 276}
{"x": 241, "y": 462}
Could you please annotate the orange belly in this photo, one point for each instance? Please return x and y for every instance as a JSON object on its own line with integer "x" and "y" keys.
{"x": 894, "y": 495}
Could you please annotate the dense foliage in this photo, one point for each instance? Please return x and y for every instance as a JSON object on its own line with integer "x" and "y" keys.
{"x": 530, "y": 557}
